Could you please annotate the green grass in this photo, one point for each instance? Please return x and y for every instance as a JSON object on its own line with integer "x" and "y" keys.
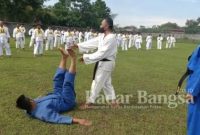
{"x": 155, "y": 71}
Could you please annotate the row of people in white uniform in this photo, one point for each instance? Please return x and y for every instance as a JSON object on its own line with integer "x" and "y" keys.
{"x": 126, "y": 41}
{"x": 56, "y": 38}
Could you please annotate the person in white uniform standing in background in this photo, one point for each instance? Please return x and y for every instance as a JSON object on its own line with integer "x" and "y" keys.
{"x": 30, "y": 33}
{"x": 57, "y": 38}
{"x": 104, "y": 57}
{"x": 159, "y": 42}
{"x": 4, "y": 40}
{"x": 39, "y": 37}
{"x": 168, "y": 42}
{"x": 23, "y": 29}
{"x": 138, "y": 41}
{"x": 173, "y": 41}
{"x": 18, "y": 36}
{"x": 149, "y": 42}
{"x": 49, "y": 35}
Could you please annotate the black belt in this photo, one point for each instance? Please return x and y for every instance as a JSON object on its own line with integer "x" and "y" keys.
{"x": 184, "y": 76}
{"x": 96, "y": 66}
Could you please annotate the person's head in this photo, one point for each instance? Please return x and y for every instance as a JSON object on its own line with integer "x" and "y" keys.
{"x": 1, "y": 23}
{"x": 38, "y": 26}
{"x": 25, "y": 103}
{"x": 106, "y": 25}
{"x": 49, "y": 28}
{"x": 159, "y": 35}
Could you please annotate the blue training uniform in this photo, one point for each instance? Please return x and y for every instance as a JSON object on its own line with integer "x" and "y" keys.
{"x": 193, "y": 88}
{"x": 62, "y": 99}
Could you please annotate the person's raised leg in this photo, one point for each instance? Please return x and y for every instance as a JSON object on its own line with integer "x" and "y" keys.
{"x": 68, "y": 85}
{"x": 60, "y": 73}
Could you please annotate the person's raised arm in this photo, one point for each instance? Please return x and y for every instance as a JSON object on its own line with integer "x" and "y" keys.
{"x": 109, "y": 45}
{"x": 56, "y": 118}
{"x": 89, "y": 45}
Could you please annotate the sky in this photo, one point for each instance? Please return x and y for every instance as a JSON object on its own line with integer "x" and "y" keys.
{"x": 151, "y": 12}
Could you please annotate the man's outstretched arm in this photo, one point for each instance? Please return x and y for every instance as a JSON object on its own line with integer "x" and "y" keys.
{"x": 54, "y": 117}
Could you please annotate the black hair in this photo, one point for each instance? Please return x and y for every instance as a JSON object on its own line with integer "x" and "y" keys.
{"x": 24, "y": 103}
{"x": 110, "y": 22}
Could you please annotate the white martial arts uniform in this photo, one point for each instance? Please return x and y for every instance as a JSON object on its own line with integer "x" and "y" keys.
{"x": 85, "y": 36}
{"x": 107, "y": 49}
{"x": 173, "y": 41}
{"x": 80, "y": 37}
{"x": 76, "y": 37}
{"x": 23, "y": 30}
{"x": 49, "y": 35}
{"x": 19, "y": 37}
{"x": 69, "y": 39}
{"x": 168, "y": 42}
{"x": 130, "y": 43}
{"x": 4, "y": 37}
{"x": 39, "y": 39}
{"x": 30, "y": 33}
{"x": 149, "y": 42}
{"x": 138, "y": 42}
{"x": 62, "y": 37}
{"x": 159, "y": 42}
{"x": 119, "y": 40}
{"x": 124, "y": 42}
{"x": 89, "y": 36}
{"x": 57, "y": 37}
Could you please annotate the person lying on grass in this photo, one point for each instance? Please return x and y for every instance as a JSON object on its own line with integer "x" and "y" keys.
{"x": 62, "y": 99}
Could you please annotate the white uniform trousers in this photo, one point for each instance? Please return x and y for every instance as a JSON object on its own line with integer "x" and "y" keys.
{"x": 102, "y": 81}
{"x": 31, "y": 42}
{"x": 148, "y": 45}
{"x": 19, "y": 42}
{"x": 130, "y": 43}
{"x": 57, "y": 42}
{"x": 137, "y": 45}
{"x": 124, "y": 45}
{"x": 49, "y": 44}
{"x": 159, "y": 45}
{"x": 6, "y": 45}
{"x": 38, "y": 48}
{"x": 168, "y": 44}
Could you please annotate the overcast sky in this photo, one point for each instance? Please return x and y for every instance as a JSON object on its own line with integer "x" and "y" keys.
{"x": 150, "y": 12}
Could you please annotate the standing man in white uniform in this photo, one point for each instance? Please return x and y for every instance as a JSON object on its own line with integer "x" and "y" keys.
{"x": 104, "y": 57}
{"x": 49, "y": 39}
{"x": 30, "y": 33}
{"x": 23, "y": 30}
{"x": 149, "y": 42}
{"x": 168, "y": 42}
{"x": 125, "y": 42}
{"x": 173, "y": 41}
{"x": 80, "y": 37}
{"x": 4, "y": 40}
{"x": 39, "y": 39}
{"x": 159, "y": 42}
{"x": 130, "y": 43}
{"x": 57, "y": 38}
{"x": 138, "y": 41}
{"x": 18, "y": 36}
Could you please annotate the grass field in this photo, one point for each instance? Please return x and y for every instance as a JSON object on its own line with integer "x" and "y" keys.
{"x": 156, "y": 72}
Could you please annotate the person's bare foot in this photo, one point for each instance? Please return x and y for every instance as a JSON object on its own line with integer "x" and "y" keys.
{"x": 82, "y": 122}
{"x": 63, "y": 52}
{"x": 71, "y": 53}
